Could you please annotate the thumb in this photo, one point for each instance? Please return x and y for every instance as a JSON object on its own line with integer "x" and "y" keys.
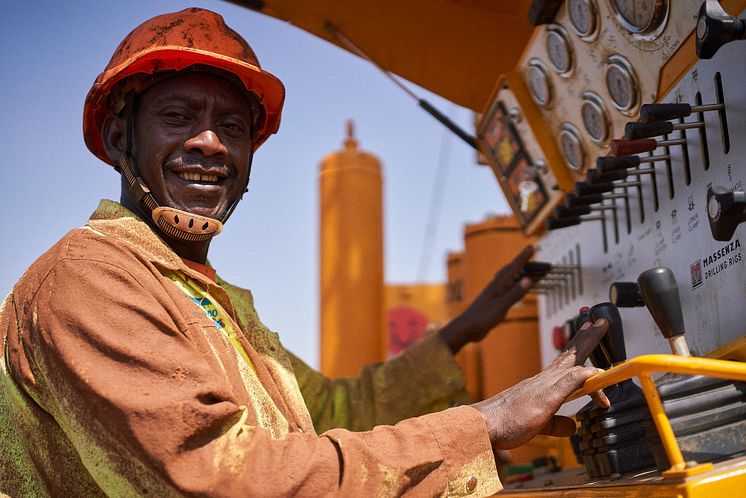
{"x": 559, "y": 426}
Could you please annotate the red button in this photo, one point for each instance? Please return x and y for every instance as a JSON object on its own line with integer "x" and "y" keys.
{"x": 559, "y": 340}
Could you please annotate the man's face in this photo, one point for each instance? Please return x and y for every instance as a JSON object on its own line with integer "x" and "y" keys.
{"x": 192, "y": 143}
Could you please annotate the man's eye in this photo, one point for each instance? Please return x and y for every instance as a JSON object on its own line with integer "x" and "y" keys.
{"x": 176, "y": 116}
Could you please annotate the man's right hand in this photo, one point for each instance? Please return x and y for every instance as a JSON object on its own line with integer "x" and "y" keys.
{"x": 519, "y": 413}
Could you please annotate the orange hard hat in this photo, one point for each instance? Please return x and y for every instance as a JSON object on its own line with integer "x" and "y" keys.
{"x": 173, "y": 42}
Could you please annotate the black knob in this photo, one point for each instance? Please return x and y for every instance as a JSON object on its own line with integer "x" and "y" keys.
{"x": 651, "y": 113}
{"x": 715, "y": 28}
{"x": 661, "y": 295}
{"x": 583, "y": 188}
{"x": 564, "y": 212}
{"x": 555, "y": 223}
{"x": 536, "y": 268}
{"x": 608, "y": 164}
{"x": 636, "y": 131}
{"x": 572, "y": 200}
{"x": 596, "y": 177}
{"x": 612, "y": 343}
{"x": 726, "y": 209}
{"x": 625, "y": 295}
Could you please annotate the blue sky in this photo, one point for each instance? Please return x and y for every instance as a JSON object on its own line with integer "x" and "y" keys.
{"x": 52, "y": 52}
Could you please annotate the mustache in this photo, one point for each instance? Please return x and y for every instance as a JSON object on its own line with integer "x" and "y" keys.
{"x": 204, "y": 163}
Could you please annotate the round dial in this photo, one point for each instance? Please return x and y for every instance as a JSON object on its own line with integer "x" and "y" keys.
{"x": 621, "y": 83}
{"x": 571, "y": 146}
{"x": 538, "y": 83}
{"x": 595, "y": 119}
{"x": 582, "y": 16}
{"x": 640, "y": 16}
{"x": 559, "y": 49}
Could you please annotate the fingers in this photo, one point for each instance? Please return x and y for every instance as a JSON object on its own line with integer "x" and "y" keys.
{"x": 599, "y": 397}
{"x": 585, "y": 341}
{"x": 559, "y": 426}
{"x": 571, "y": 381}
{"x": 509, "y": 274}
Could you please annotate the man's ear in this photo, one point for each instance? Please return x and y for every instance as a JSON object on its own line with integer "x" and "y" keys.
{"x": 113, "y": 133}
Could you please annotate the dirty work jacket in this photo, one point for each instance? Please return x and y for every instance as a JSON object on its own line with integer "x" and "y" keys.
{"x": 114, "y": 382}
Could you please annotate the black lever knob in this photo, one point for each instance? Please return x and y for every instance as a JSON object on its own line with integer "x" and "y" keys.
{"x": 556, "y": 223}
{"x": 608, "y": 164}
{"x": 726, "y": 209}
{"x": 536, "y": 268}
{"x": 572, "y": 200}
{"x": 637, "y": 131}
{"x": 625, "y": 295}
{"x": 715, "y": 28}
{"x": 612, "y": 343}
{"x": 661, "y": 296}
{"x": 596, "y": 177}
{"x": 564, "y": 211}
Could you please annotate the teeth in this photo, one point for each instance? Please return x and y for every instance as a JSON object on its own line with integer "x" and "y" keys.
{"x": 197, "y": 177}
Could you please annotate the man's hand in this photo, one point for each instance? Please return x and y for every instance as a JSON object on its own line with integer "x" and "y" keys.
{"x": 489, "y": 308}
{"x": 519, "y": 413}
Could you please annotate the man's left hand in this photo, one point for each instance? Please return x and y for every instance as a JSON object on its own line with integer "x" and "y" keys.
{"x": 491, "y": 305}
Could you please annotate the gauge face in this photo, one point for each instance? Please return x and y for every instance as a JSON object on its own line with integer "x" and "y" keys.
{"x": 538, "y": 83}
{"x": 582, "y": 16}
{"x": 571, "y": 146}
{"x": 595, "y": 120}
{"x": 558, "y": 49}
{"x": 621, "y": 83}
{"x": 640, "y": 16}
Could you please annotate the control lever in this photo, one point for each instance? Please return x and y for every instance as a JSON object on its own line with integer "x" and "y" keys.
{"x": 715, "y": 28}
{"x": 596, "y": 177}
{"x": 623, "y": 147}
{"x": 612, "y": 343}
{"x": 539, "y": 269}
{"x": 608, "y": 164}
{"x": 564, "y": 211}
{"x": 636, "y": 131}
{"x": 661, "y": 296}
{"x": 572, "y": 200}
{"x": 555, "y": 223}
{"x": 625, "y": 295}
{"x": 651, "y": 113}
{"x": 598, "y": 356}
{"x": 583, "y": 188}
{"x": 726, "y": 209}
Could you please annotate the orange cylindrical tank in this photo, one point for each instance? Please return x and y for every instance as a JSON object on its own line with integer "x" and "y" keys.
{"x": 351, "y": 260}
{"x": 468, "y": 358}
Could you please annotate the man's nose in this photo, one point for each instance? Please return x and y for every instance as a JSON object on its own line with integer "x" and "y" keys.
{"x": 207, "y": 143}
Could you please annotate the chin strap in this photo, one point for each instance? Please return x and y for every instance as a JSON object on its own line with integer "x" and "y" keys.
{"x": 180, "y": 225}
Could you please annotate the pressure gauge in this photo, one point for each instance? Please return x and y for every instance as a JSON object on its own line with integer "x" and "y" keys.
{"x": 571, "y": 147}
{"x": 539, "y": 84}
{"x": 641, "y": 16}
{"x": 621, "y": 83}
{"x": 559, "y": 49}
{"x": 595, "y": 119}
{"x": 583, "y": 17}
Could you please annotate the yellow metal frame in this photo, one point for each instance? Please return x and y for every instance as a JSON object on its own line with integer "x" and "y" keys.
{"x": 642, "y": 367}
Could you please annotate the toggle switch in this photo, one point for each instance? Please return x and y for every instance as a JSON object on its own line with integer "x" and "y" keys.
{"x": 726, "y": 209}
{"x": 636, "y": 130}
{"x": 715, "y": 28}
{"x": 625, "y": 295}
{"x": 623, "y": 147}
{"x": 538, "y": 269}
{"x": 651, "y": 113}
{"x": 661, "y": 296}
{"x": 608, "y": 164}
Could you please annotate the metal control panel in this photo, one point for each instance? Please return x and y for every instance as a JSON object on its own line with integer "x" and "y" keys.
{"x": 664, "y": 221}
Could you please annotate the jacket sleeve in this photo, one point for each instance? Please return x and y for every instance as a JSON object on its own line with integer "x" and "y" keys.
{"x": 423, "y": 379}
{"x": 147, "y": 415}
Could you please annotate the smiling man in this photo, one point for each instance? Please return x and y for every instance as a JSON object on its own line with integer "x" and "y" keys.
{"x": 131, "y": 369}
